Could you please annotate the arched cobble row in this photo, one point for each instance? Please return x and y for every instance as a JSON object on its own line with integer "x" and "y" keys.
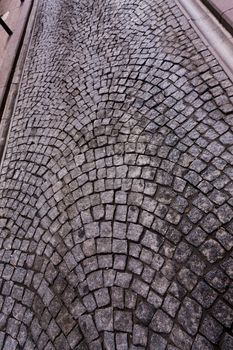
{"x": 116, "y": 187}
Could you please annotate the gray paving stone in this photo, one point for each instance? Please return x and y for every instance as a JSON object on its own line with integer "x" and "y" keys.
{"x": 180, "y": 338}
{"x": 77, "y": 309}
{"x": 157, "y": 342}
{"x": 102, "y": 297}
{"x": 227, "y": 342}
{"x": 140, "y": 335}
{"x": 189, "y": 315}
{"x": 104, "y": 319}
{"x": 160, "y": 284}
{"x": 197, "y": 236}
{"x": 154, "y": 299}
{"x": 223, "y": 313}
{"x": 89, "y": 302}
{"x": 109, "y": 278}
{"x": 161, "y": 322}
{"x": 148, "y": 274}
{"x": 144, "y": 312}
{"x": 224, "y": 238}
{"x": 182, "y": 252}
{"x": 123, "y": 321}
{"x": 120, "y": 262}
{"x": 210, "y": 223}
{"x": 171, "y": 305}
{"x": 202, "y": 343}
{"x": 134, "y": 232}
{"x": 121, "y": 341}
{"x": 109, "y": 342}
{"x": 116, "y": 185}
{"x": 88, "y": 327}
{"x": 95, "y": 280}
{"x": 217, "y": 279}
{"x": 187, "y": 278}
{"x": 212, "y": 250}
{"x": 119, "y": 246}
{"x": 95, "y": 345}
{"x": 227, "y": 138}
{"x": 211, "y": 329}
{"x": 140, "y": 287}
{"x": 135, "y": 266}
{"x": 204, "y": 294}
{"x": 123, "y": 279}
{"x": 10, "y": 343}
{"x": 12, "y": 327}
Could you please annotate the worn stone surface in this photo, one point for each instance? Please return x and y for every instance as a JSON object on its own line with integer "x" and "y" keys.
{"x": 116, "y": 216}
{"x": 189, "y": 316}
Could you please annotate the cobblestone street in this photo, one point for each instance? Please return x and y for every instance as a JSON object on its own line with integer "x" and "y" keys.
{"x": 116, "y": 198}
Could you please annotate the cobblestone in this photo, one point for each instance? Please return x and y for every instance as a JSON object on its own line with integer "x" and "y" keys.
{"x": 211, "y": 329}
{"x": 189, "y": 316}
{"x": 116, "y": 186}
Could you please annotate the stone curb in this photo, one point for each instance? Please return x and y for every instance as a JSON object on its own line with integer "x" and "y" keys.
{"x": 17, "y": 19}
{"x": 222, "y": 11}
{"x": 12, "y": 95}
{"x": 215, "y": 36}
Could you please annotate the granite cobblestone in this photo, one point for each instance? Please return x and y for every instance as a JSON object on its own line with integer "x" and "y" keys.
{"x": 116, "y": 210}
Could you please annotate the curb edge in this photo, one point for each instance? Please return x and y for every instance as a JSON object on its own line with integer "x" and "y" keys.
{"x": 13, "y": 93}
{"x": 217, "y": 39}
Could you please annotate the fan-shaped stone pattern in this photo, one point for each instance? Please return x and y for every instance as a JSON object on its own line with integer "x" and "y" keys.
{"x": 116, "y": 188}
